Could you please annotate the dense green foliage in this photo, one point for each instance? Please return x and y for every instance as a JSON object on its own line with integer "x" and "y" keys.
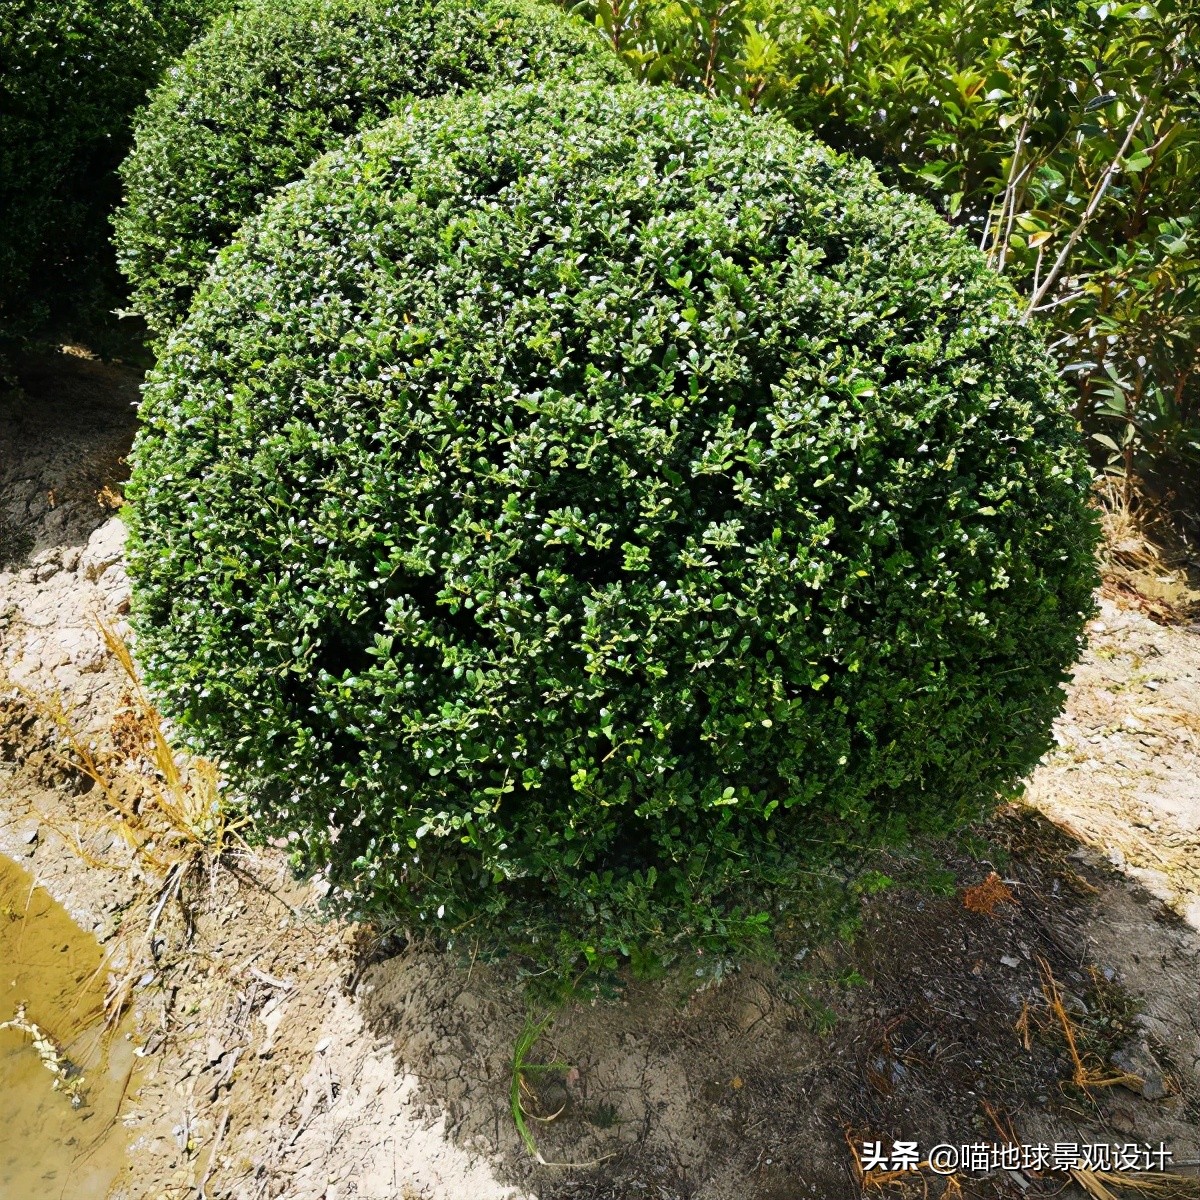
{"x": 276, "y": 85}
{"x": 1018, "y": 118}
{"x": 71, "y": 74}
{"x": 577, "y": 510}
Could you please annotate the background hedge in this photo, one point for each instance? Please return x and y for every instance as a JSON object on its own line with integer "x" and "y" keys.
{"x": 71, "y": 74}
{"x": 280, "y": 82}
{"x": 1028, "y": 124}
{"x": 579, "y": 511}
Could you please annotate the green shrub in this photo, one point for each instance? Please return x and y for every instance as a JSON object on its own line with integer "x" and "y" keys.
{"x": 275, "y": 86}
{"x": 71, "y": 74}
{"x": 577, "y": 513}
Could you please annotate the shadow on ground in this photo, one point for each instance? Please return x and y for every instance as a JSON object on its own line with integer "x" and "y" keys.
{"x": 932, "y": 1026}
{"x": 64, "y": 434}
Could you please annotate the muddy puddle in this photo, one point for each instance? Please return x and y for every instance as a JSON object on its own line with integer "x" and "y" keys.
{"x": 63, "y": 1142}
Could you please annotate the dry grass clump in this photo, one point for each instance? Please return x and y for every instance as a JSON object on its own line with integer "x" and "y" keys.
{"x": 987, "y": 896}
{"x": 1088, "y": 1070}
{"x": 1129, "y": 1185}
{"x": 1129, "y": 523}
{"x": 1146, "y": 557}
{"x": 165, "y": 809}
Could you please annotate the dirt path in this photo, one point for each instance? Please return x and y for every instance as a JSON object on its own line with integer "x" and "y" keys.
{"x": 1126, "y": 775}
{"x": 289, "y": 1056}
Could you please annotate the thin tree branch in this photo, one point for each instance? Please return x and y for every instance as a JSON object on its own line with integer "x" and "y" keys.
{"x": 1061, "y": 300}
{"x": 1097, "y": 196}
{"x": 1010, "y": 191}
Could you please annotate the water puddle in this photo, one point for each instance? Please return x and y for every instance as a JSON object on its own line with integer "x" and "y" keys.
{"x": 64, "y": 1143}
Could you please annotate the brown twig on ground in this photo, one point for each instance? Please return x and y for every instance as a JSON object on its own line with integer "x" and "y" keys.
{"x": 1085, "y": 1076}
{"x": 1022, "y": 1029}
{"x": 212, "y": 1154}
{"x": 1004, "y": 1128}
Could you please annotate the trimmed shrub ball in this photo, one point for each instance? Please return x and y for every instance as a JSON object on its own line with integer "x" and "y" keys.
{"x": 279, "y": 83}
{"x": 576, "y": 512}
{"x": 71, "y": 74}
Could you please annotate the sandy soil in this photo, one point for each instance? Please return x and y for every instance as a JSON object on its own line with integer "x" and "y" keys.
{"x": 1126, "y": 775}
{"x": 286, "y": 1055}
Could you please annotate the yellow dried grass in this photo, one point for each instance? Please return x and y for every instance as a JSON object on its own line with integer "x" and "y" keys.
{"x": 1118, "y": 1185}
{"x": 1086, "y": 1075}
{"x": 166, "y": 816}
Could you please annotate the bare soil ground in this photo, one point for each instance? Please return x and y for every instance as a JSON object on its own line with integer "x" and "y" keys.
{"x": 1126, "y": 774}
{"x": 288, "y": 1055}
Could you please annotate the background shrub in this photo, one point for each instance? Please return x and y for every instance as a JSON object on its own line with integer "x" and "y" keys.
{"x": 71, "y": 74}
{"x": 282, "y": 81}
{"x": 578, "y": 512}
{"x": 1013, "y": 118}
